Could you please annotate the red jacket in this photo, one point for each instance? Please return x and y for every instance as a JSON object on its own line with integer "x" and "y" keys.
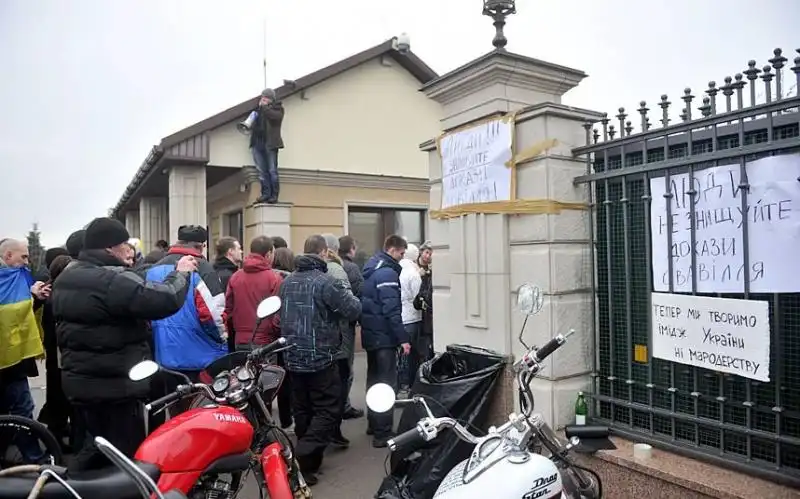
{"x": 247, "y": 288}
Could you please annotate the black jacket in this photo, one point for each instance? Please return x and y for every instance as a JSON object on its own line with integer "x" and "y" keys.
{"x": 225, "y": 269}
{"x": 313, "y": 302}
{"x": 424, "y": 302}
{"x": 100, "y": 308}
{"x": 267, "y": 128}
{"x": 353, "y": 275}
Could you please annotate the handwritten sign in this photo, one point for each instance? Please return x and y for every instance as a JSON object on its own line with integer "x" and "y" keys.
{"x": 721, "y": 334}
{"x": 474, "y": 164}
{"x": 772, "y": 216}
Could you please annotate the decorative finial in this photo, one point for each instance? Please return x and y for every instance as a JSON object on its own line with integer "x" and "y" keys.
{"x": 705, "y": 109}
{"x": 664, "y": 110}
{"x": 779, "y": 60}
{"x": 621, "y": 117}
{"x": 498, "y": 10}
{"x": 712, "y": 93}
{"x": 643, "y": 112}
{"x": 687, "y": 98}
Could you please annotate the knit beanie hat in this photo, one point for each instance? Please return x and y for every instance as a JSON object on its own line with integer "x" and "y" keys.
{"x": 75, "y": 243}
{"x": 104, "y": 233}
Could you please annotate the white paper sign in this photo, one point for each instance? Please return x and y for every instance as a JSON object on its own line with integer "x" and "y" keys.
{"x": 721, "y": 334}
{"x": 773, "y": 224}
{"x": 474, "y": 164}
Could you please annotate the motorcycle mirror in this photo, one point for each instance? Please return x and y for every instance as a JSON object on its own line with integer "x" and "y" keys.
{"x": 143, "y": 370}
{"x": 381, "y": 398}
{"x": 529, "y": 299}
{"x": 268, "y": 307}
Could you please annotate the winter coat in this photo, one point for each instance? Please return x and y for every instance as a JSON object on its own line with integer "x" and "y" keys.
{"x": 424, "y": 303}
{"x": 267, "y": 128}
{"x": 225, "y": 269}
{"x": 248, "y": 287}
{"x": 312, "y": 302}
{"x": 410, "y": 282}
{"x": 195, "y": 336}
{"x": 354, "y": 275}
{"x": 336, "y": 270}
{"x": 100, "y": 309}
{"x": 381, "y": 314}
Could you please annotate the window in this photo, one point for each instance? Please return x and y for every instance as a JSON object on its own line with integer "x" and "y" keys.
{"x": 370, "y": 226}
{"x": 233, "y": 225}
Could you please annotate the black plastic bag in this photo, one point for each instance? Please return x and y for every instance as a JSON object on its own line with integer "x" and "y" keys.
{"x": 457, "y": 383}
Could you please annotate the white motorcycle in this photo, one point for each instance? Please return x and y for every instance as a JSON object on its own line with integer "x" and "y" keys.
{"x": 505, "y": 462}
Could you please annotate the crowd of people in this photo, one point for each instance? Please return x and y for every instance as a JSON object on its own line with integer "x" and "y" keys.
{"x": 105, "y": 306}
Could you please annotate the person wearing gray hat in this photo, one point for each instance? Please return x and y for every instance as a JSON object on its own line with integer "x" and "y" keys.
{"x": 265, "y": 141}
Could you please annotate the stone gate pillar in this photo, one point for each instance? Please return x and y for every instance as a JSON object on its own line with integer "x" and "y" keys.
{"x": 480, "y": 259}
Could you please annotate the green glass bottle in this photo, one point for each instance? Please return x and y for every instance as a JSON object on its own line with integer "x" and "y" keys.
{"x": 581, "y": 410}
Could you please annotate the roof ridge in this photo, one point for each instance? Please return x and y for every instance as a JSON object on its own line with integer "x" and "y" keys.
{"x": 408, "y": 60}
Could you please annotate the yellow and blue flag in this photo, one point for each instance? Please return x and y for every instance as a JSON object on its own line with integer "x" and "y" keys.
{"x": 19, "y": 332}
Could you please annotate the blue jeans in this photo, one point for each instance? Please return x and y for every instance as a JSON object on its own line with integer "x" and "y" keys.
{"x": 16, "y": 399}
{"x": 266, "y": 161}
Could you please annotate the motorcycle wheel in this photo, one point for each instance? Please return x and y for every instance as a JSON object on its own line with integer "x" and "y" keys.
{"x": 14, "y": 429}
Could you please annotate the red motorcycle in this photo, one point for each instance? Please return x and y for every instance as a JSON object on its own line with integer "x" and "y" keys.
{"x": 208, "y": 451}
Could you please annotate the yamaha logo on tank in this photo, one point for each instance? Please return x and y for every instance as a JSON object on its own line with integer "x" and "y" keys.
{"x": 541, "y": 487}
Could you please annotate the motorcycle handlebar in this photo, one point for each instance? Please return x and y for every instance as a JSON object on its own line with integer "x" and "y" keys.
{"x": 548, "y": 348}
{"x": 261, "y": 352}
{"x": 180, "y": 392}
{"x": 166, "y": 399}
{"x": 410, "y": 438}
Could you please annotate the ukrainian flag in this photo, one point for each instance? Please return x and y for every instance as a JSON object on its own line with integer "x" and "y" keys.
{"x": 19, "y": 332}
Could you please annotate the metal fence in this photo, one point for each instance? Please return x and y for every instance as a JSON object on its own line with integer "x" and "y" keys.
{"x": 745, "y": 424}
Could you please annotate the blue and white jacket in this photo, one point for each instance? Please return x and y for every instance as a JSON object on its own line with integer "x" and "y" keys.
{"x": 195, "y": 336}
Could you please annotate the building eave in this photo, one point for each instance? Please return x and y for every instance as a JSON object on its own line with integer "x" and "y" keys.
{"x": 195, "y": 137}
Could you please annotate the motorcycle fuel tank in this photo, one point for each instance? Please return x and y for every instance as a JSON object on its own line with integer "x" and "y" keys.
{"x": 529, "y": 476}
{"x": 196, "y": 438}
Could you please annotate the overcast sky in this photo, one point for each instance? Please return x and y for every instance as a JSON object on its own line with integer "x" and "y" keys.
{"x": 87, "y": 87}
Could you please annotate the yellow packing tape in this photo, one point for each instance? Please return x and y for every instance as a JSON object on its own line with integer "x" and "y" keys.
{"x": 516, "y": 207}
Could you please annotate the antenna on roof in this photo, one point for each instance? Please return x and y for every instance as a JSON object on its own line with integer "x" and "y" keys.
{"x": 265, "y": 51}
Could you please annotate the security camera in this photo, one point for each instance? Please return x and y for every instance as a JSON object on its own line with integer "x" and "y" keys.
{"x": 402, "y": 43}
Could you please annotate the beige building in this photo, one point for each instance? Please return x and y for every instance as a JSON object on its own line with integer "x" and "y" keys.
{"x": 351, "y": 162}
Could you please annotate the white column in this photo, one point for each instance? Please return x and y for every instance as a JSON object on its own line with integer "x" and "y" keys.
{"x": 153, "y": 221}
{"x": 187, "y": 197}
{"x": 132, "y": 223}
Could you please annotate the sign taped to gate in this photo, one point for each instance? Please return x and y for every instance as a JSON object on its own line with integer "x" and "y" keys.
{"x": 772, "y": 216}
{"x": 721, "y": 334}
{"x": 476, "y": 163}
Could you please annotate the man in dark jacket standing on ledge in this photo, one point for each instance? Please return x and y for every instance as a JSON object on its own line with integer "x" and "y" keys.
{"x": 382, "y": 330}
{"x": 313, "y": 303}
{"x": 265, "y": 141}
{"x": 100, "y": 308}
